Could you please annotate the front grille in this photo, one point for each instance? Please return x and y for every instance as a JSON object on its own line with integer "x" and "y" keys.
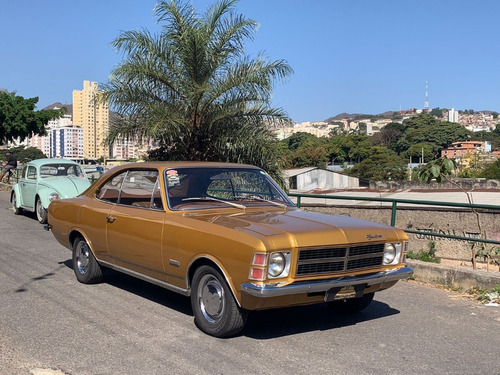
{"x": 314, "y": 254}
{"x": 335, "y": 260}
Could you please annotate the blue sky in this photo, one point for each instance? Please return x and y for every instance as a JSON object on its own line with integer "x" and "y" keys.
{"x": 355, "y": 56}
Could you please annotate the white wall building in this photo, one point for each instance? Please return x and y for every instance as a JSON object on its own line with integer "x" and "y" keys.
{"x": 66, "y": 141}
{"x": 453, "y": 115}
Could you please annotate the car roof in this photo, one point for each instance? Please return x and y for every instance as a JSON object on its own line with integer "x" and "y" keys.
{"x": 179, "y": 164}
{"x": 39, "y": 162}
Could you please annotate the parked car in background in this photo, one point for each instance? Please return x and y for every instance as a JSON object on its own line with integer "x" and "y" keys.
{"x": 44, "y": 180}
{"x": 227, "y": 236}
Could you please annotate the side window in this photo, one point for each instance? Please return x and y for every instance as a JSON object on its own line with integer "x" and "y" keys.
{"x": 31, "y": 173}
{"x": 110, "y": 191}
{"x": 138, "y": 188}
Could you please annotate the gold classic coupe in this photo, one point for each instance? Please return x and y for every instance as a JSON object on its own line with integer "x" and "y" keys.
{"x": 227, "y": 236}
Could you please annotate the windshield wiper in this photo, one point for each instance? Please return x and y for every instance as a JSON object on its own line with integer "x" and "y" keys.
{"x": 237, "y": 205}
{"x": 260, "y": 199}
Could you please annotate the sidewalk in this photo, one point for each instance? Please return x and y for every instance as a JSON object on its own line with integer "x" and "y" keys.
{"x": 461, "y": 277}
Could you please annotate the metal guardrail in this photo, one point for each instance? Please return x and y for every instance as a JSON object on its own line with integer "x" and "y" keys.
{"x": 394, "y": 202}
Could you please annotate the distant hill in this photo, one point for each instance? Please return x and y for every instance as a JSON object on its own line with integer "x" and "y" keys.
{"x": 58, "y": 105}
{"x": 353, "y": 116}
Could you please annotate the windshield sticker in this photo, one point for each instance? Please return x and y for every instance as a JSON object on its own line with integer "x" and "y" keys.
{"x": 173, "y": 178}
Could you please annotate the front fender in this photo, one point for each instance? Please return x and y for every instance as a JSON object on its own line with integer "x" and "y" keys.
{"x": 19, "y": 197}
{"x": 44, "y": 193}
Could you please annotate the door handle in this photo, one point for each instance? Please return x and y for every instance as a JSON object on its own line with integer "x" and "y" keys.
{"x": 110, "y": 219}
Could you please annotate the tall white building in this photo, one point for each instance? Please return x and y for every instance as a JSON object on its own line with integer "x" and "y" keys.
{"x": 453, "y": 115}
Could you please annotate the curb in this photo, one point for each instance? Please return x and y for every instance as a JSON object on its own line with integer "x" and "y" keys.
{"x": 464, "y": 278}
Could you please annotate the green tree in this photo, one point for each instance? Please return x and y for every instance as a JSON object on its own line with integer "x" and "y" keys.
{"x": 300, "y": 139}
{"x": 383, "y": 164}
{"x": 427, "y": 149}
{"x": 192, "y": 88}
{"x": 310, "y": 156}
{"x": 492, "y": 171}
{"x": 18, "y": 118}
{"x": 437, "y": 112}
{"x": 426, "y": 129}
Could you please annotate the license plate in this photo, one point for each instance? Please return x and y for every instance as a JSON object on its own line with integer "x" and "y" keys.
{"x": 346, "y": 292}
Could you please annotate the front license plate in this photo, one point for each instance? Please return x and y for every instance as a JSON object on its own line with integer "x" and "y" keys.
{"x": 346, "y": 292}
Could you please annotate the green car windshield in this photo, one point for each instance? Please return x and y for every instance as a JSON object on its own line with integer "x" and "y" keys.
{"x": 239, "y": 187}
{"x": 61, "y": 170}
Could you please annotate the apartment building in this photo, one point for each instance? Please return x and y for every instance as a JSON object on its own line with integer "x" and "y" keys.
{"x": 92, "y": 114}
{"x": 66, "y": 141}
{"x": 459, "y": 149}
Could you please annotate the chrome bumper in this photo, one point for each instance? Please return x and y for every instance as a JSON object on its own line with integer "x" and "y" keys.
{"x": 274, "y": 290}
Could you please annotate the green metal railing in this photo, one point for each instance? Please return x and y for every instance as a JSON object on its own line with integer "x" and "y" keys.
{"x": 394, "y": 203}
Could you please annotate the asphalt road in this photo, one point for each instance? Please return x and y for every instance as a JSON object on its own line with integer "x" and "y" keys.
{"x": 125, "y": 326}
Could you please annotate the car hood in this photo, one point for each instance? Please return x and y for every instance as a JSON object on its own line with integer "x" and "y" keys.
{"x": 67, "y": 187}
{"x": 301, "y": 229}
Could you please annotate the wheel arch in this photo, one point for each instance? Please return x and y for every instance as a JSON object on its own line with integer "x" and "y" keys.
{"x": 208, "y": 261}
{"x": 15, "y": 190}
{"x": 76, "y": 233}
{"x": 43, "y": 194}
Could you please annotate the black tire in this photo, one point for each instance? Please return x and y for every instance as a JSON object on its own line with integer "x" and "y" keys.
{"x": 86, "y": 268}
{"x": 13, "y": 201}
{"x": 214, "y": 306}
{"x": 352, "y": 305}
{"x": 41, "y": 213}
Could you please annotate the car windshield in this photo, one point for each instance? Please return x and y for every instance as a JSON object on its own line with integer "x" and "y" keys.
{"x": 61, "y": 169}
{"x": 205, "y": 187}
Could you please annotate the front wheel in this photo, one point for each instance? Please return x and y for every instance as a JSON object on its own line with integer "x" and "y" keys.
{"x": 86, "y": 268}
{"x": 13, "y": 201}
{"x": 214, "y": 307}
{"x": 352, "y": 305}
{"x": 41, "y": 212}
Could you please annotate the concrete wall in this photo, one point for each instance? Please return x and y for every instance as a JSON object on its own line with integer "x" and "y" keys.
{"x": 465, "y": 183}
{"x": 326, "y": 180}
{"x": 460, "y": 222}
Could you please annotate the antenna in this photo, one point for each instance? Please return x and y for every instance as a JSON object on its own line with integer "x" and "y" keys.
{"x": 426, "y": 104}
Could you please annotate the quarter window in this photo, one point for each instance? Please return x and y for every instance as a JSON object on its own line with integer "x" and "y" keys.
{"x": 31, "y": 173}
{"x": 138, "y": 188}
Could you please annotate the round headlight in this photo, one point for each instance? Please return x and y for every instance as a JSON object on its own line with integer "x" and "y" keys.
{"x": 277, "y": 264}
{"x": 53, "y": 197}
{"x": 389, "y": 253}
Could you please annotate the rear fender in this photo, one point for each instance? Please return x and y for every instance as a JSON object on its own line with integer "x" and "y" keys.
{"x": 43, "y": 194}
{"x": 19, "y": 197}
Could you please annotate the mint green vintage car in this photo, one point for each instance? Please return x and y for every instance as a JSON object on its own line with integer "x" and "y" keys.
{"x": 45, "y": 180}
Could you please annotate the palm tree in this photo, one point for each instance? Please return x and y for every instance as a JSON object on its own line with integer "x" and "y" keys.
{"x": 192, "y": 89}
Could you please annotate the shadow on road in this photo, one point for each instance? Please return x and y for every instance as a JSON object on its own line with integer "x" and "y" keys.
{"x": 266, "y": 324}
{"x": 144, "y": 289}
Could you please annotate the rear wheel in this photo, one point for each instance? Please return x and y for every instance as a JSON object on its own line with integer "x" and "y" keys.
{"x": 352, "y": 305}
{"x": 86, "y": 268}
{"x": 13, "y": 201}
{"x": 214, "y": 306}
{"x": 41, "y": 213}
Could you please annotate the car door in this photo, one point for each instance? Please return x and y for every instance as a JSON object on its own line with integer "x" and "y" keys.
{"x": 28, "y": 188}
{"x": 135, "y": 225}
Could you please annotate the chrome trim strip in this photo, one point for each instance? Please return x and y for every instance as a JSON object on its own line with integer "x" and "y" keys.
{"x": 163, "y": 284}
{"x": 266, "y": 291}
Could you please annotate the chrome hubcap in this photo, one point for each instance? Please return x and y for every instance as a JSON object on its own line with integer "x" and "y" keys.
{"x": 82, "y": 257}
{"x": 211, "y": 298}
{"x": 39, "y": 210}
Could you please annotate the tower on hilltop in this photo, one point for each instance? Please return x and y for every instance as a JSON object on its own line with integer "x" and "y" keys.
{"x": 426, "y": 103}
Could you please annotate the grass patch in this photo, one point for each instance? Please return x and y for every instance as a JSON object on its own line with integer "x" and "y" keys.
{"x": 428, "y": 255}
{"x": 486, "y": 295}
